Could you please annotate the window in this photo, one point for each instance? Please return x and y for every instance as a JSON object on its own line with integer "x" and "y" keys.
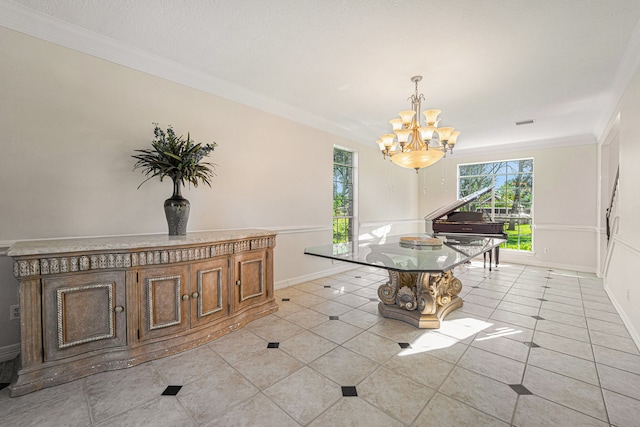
{"x": 512, "y": 198}
{"x": 343, "y": 195}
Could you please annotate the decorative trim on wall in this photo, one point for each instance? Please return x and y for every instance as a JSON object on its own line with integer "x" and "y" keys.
{"x": 567, "y": 227}
{"x": 9, "y": 352}
{"x": 317, "y": 275}
{"x": 391, "y": 222}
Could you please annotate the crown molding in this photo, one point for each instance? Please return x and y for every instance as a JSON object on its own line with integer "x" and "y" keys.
{"x": 28, "y": 21}
{"x": 542, "y": 144}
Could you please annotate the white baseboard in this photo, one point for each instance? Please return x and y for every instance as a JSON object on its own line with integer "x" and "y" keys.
{"x": 635, "y": 335}
{"x": 9, "y": 352}
{"x": 281, "y": 284}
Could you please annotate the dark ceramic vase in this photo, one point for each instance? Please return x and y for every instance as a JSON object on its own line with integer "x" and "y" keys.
{"x": 176, "y": 210}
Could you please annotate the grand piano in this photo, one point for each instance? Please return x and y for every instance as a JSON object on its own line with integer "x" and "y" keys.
{"x": 447, "y": 220}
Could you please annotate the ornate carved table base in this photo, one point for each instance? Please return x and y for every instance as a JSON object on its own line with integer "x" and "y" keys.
{"x": 420, "y": 299}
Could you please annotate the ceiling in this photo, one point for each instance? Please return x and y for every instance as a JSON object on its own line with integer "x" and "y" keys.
{"x": 345, "y": 65}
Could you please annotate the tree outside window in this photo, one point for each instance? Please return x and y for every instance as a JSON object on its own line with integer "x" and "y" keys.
{"x": 511, "y": 200}
{"x": 343, "y": 196}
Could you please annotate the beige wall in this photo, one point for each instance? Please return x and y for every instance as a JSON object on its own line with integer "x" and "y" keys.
{"x": 70, "y": 123}
{"x": 623, "y": 253}
{"x": 564, "y": 197}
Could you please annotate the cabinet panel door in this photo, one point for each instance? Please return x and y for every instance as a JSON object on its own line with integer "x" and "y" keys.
{"x": 164, "y": 301}
{"x": 208, "y": 286}
{"x": 82, "y": 313}
{"x": 250, "y": 278}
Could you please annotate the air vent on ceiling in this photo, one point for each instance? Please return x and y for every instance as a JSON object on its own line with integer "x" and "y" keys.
{"x": 525, "y": 122}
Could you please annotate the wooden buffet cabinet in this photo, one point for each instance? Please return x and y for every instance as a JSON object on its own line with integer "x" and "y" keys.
{"x": 94, "y": 305}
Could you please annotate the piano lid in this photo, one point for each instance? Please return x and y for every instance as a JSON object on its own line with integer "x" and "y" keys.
{"x": 447, "y": 209}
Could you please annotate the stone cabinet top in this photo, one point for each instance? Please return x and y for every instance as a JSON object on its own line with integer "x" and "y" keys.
{"x": 126, "y": 243}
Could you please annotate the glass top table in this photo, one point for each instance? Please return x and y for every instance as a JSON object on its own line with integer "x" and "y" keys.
{"x": 421, "y": 288}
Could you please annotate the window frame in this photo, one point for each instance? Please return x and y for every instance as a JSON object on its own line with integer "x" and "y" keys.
{"x": 353, "y": 217}
{"x": 502, "y": 173}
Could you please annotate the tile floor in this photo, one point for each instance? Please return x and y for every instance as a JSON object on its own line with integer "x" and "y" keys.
{"x": 530, "y": 347}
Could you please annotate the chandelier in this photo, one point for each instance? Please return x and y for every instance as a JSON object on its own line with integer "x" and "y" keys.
{"x": 415, "y": 146}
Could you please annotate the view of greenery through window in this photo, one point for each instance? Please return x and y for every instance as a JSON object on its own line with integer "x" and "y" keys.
{"x": 343, "y": 196}
{"x": 512, "y": 198}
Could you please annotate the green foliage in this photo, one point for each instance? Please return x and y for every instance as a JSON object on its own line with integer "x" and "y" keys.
{"x": 175, "y": 157}
{"x": 519, "y": 238}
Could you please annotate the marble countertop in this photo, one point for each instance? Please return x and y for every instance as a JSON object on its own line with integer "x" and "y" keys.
{"x": 39, "y": 247}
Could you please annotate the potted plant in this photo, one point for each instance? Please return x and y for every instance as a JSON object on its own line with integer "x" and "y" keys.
{"x": 181, "y": 160}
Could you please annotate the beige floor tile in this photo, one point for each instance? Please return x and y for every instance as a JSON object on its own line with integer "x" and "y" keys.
{"x": 473, "y": 297}
{"x": 307, "y": 318}
{"x": 213, "y": 395}
{"x": 623, "y": 411}
{"x": 161, "y": 411}
{"x": 361, "y": 318}
{"x": 304, "y": 395}
{"x": 373, "y": 346}
{"x": 274, "y": 330}
{"x": 307, "y": 346}
{"x": 445, "y": 411}
{"x": 563, "y": 330}
{"x": 499, "y": 368}
{"x": 485, "y": 394}
{"x": 566, "y": 391}
{"x": 518, "y": 308}
{"x": 421, "y": 367}
{"x": 566, "y": 318}
{"x": 502, "y": 346}
{"x": 336, "y": 331}
{"x": 564, "y": 345}
{"x": 188, "y": 366}
{"x": 352, "y": 300}
{"x": 308, "y": 299}
{"x": 533, "y": 411}
{"x": 331, "y": 308}
{"x": 603, "y": 315}
{"x": 32, "y": 401}
{"x": 258, "y": 411}
{"x": 615, "y": 342}
{"x": 513, "y": 318}
{"x": 238, "y": 344}
{"x": 267, "y": 367}
{"x": 617, "y": 359}
{"x": 619, "y": 381}
{"x": 521, "y": 299}
{"x": 608, "y": 327}
{"x": 564, "y": 364}
{"x": 66, "y": 410}
{"x": 354, "y": 411}
{"x": 110, "y": 393}
{"x": 561, "y": 307}
{"x": 396, "y": 395}
{"x": 286, "y": 308}
{"x": 343, "y": 366}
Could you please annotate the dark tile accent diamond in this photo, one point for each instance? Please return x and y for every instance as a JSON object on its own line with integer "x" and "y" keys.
{"x": 404, "y": 345}
{"x": 273, "y": 345}
{"x": 286, "y": 299}
{"x": 546, "y": 287}
{"x": 373, "y": 299}
{"x": 520, "y": 389}
{"x": 474, "y": 287}
{"x": 542, "y": 299}
{"x": 333, "y": 318}
{"x": 3, "y": 385}
{"x": 358, "y": 277}
{"x": 538, "y": 318}
{"x": 348, "y": 391}
{"x": 327, "y": 286}
{"x": 531, "y": 344}
{"x": 171, "y": 390}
